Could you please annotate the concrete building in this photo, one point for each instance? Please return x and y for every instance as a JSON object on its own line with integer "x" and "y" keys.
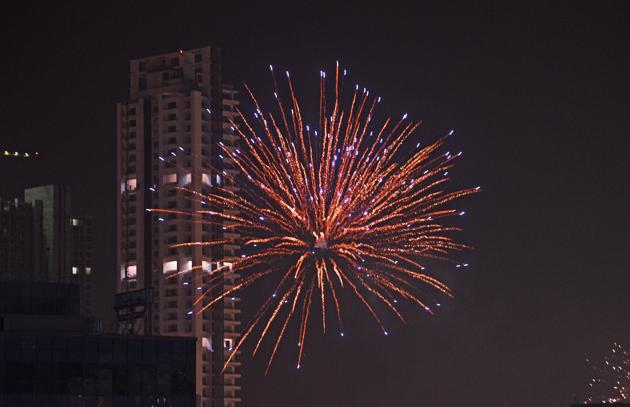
{"x": 167, "y": 137}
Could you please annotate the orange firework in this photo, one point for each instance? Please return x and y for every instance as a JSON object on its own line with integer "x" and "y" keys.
{"x": 339, "y": 207}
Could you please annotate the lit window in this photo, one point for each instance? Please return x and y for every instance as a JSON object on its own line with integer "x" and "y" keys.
{"x": 206, "y": 265}
{"x": 132, "y": 184}
{"x": 228, "y": 343}
{"x": 169, "y": 178}
{"x": 132, "y": 271}
{"x": 88, "y": 270}
{"x": 187, "y": 266}
{"x": 205, "y": 343}
{"x": 218, "y": 177}
{"x": 169, "y": 266}
{"x": 75, "y": 270}
{"x": 205, "y": 178}
{"x": 230, "y": 266}
{"x": 186, "y": 179}
{"x": 75, "y": 222}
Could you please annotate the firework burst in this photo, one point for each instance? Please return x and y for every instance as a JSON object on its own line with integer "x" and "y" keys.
{"x": 611, "y": 377}
{"x": 342, "y": 205}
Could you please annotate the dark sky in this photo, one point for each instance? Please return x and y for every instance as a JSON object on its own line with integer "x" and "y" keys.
{"x": 540, "y": 101}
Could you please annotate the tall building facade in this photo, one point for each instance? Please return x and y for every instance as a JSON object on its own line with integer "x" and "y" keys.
{"x": 168, "y": 135}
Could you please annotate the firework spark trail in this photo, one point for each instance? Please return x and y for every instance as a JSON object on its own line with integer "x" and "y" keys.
{"x": 611, "y": 378}
{"x": 336, "y": 205}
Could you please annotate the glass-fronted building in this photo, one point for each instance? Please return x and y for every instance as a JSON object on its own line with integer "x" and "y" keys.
{"x": 99, "y": 370}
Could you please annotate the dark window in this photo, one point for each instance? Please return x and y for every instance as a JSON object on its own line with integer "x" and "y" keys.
{"x": 198, "y": 57}
{"x": 142, "y": 83}
{"x": 171, "y": 129}
{"x": 142, "y": 66}
{"x": 171, "y": 116}
{"x": 165, "y": 76}
{"x": 175, "y": 61}
{"x": 171, "y": 105}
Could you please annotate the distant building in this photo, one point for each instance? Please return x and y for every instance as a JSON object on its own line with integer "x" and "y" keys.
{"x": 55, "y": 201}
{"x": 168, "y": 133}
{"x": 40, "y": 240}
{"x": 81, "y": 260}
{"x": 620, "y": 404}
{"x": 22, "y": 253}
{"x": 50, "y": 356}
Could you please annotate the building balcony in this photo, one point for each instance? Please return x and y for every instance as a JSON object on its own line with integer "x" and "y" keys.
{"x": 231, "y": 401}
{"x": 232, "y": 376}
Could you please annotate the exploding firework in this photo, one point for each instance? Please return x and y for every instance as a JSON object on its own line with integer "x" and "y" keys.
{"x": 611, "y": 377}
{"x": 342, "y": 205}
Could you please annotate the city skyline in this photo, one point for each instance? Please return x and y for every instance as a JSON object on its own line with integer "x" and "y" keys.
{"x": 537, "y": 98}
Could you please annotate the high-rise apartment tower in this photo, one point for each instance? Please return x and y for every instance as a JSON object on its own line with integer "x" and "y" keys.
{"x": 168, "y": 135}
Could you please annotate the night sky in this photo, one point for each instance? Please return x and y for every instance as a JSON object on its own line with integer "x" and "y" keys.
{"x": 539, "y": 99}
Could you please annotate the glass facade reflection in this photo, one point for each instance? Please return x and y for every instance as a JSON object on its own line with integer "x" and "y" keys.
{"x": 100, "y": 371}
